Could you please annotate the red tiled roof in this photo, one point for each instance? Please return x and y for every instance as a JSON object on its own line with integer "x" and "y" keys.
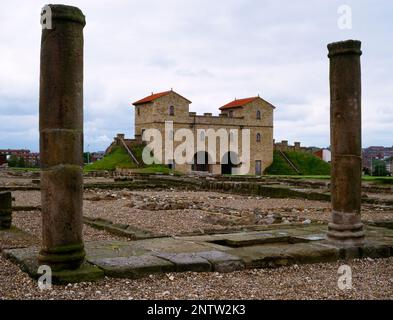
{"x": 155, "y": 96}
{"x": 319, "y": 153}
{"x": 238, "y": 103}
{"x": 152, "y": 97}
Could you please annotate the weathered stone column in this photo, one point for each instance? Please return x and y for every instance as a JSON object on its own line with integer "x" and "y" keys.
{"x": 61, "y": 139}
{"x": 345, "y": 134}
{"x": 5, "y": 210}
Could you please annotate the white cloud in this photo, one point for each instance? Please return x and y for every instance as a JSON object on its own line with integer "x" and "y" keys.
{"x": 208, "y": 51}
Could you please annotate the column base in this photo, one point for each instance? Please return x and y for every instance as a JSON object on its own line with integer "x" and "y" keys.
{"x": 346, "y": 229}
{"x": 68, "y": 257}
{"x": 26, "y": 258}
{"x": 346, "y": 235}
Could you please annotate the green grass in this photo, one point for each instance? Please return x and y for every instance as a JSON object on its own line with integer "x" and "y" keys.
{"x": 306, "y": 163}
{"x": 305, "y": 177}
{"x": 279, "y": 166}
{"x": 25, "y": 169}
{"x": 156, "y": 168}
{"x": 379, "y": 180}
{"x": 119, "y": 158}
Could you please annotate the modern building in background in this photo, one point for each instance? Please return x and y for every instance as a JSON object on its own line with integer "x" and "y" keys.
{"x": 30, "y": 158}
{"x": 3, "y": 159}
{"x": 95, "y": 156}
{"x": 324, "y": 154}
{"x": 375, "y": 152}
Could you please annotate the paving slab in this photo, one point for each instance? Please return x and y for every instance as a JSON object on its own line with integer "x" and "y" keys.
{"x": 113, "y": 249}
{"x": 26, "y": 258}
{"x": 281, "y": 254}
{"x": 173, "y": 245}
{"x": 222, "y": 261}
{"x": 226, "y": 252}
{"x": 248, "y": 239}
{"x": 124, "y": 230}
{"x": 187, "y": 261}
{"x": 133, "y": 267}
{"x": 308, "y": 237}
{"x": 263, "y": 232}
{"x": 14, "y": 238}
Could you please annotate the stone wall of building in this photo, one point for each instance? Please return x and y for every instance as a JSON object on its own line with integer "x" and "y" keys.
{"x": 284, "y": 146}
{"x": 155, "y": 113}
{"x": 117, "y": 142}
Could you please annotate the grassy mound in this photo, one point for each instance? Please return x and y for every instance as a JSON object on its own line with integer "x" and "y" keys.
{"x": 308, "y": 164}
{"x": 280, "y": 166}
{"x": 119, "y": 158}
{"x": 305, "y": 162}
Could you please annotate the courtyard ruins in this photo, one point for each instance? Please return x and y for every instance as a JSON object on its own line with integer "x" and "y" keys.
{"x": 91, "y": 228}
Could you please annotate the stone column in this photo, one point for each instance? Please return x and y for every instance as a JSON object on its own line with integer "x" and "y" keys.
{"x": 5, "y": 210}
{"x": 346, "y": 227}
{"x": 61, "y": 139}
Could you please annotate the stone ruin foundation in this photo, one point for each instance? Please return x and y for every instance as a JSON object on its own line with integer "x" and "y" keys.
{"x": 61, "y": 146}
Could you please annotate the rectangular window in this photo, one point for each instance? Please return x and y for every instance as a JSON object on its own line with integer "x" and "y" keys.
{"x": 258, "y": 167}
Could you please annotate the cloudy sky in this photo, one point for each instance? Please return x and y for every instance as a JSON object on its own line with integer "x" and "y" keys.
{"x": 208, "y": 51}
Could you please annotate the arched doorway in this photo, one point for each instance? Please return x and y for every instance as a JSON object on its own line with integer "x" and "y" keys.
{"x": 201, "y": 162}
{"x": 229, "y": 160}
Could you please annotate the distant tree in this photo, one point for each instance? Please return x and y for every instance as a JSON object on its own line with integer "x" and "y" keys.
{"x": 13, "y": 161}
{"x": 16, "y": 162}
{"x": 21, "y": 163}
{"x": 379, "y": 168}
{"x": 86, "y": 157}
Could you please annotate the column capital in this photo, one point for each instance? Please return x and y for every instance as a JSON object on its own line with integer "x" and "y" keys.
{"x": 70, "y": 13}
{"x": 344, "y": 47}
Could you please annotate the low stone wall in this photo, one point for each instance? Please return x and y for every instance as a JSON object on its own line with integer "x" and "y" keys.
{"x": 5, "y": 210}
{"x": 262, "y": 190}
{"x": 284, "y": 146}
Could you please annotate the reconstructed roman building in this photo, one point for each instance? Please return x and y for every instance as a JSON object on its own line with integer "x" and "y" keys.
{"x": 254, "y": 114}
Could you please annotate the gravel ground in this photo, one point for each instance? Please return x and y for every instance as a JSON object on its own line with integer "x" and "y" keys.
{"x": 30, "y": 221}
{"x": 26, "y": 198}
{"x": 177, "y": 221}
{"x": 384, "y": 196}
{"x": 118, "y": 209}
{"x": 372, "y": 279}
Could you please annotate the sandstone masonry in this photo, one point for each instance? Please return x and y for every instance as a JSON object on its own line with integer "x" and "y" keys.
{"x": 254, "y": 114}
